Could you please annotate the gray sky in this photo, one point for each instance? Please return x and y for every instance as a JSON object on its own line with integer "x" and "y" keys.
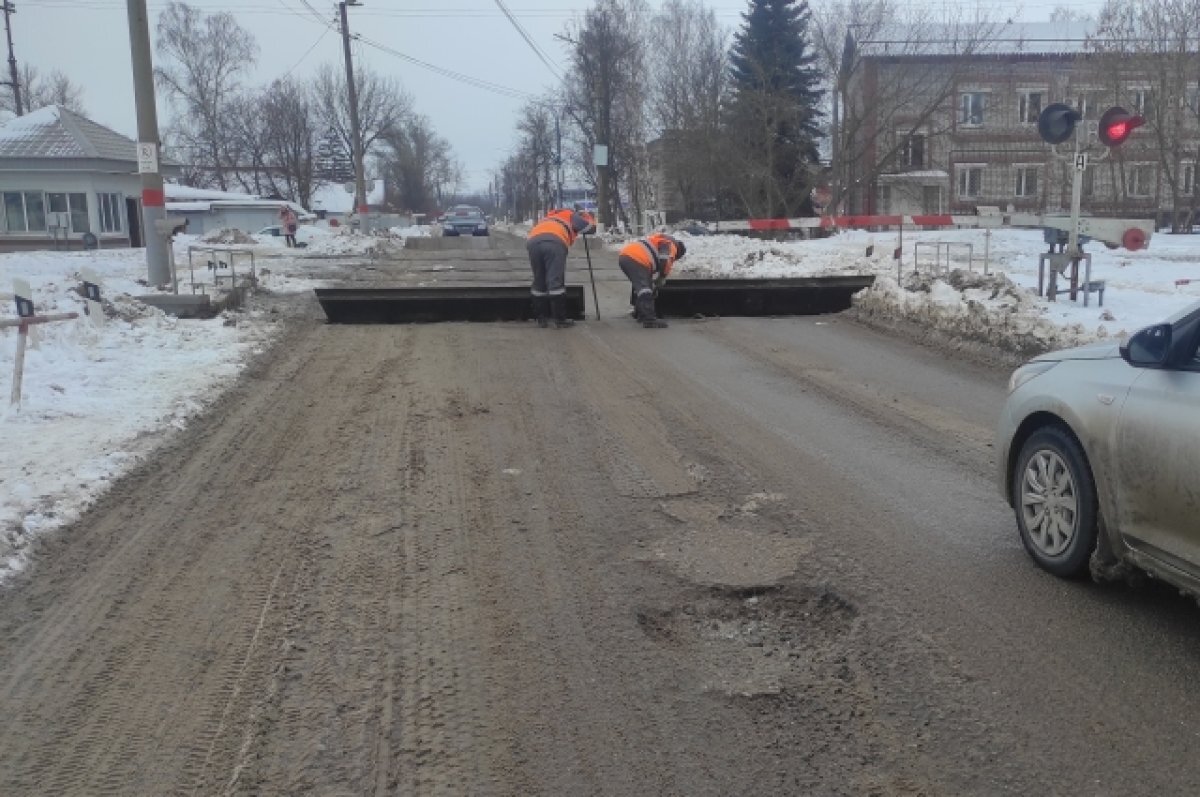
{"x": 89, "y": 41}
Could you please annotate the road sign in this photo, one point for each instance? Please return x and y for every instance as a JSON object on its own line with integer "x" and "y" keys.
{"x": 1081, "y": 161}
{"x": 24, "y": 297}
{"x": 147, "y": 157}
{"x": 600, "y": 154}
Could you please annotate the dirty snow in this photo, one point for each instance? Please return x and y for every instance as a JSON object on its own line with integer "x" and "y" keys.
{"x": 96, "y": 400}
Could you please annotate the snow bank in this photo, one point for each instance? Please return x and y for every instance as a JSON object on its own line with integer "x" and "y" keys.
{"x": 95, "y": 400}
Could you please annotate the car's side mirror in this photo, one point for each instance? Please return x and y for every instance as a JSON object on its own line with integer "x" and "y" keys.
{"x": 1149, "y": 347}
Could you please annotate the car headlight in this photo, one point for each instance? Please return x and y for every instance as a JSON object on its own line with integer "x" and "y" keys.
{"x": 1029, "y": 371}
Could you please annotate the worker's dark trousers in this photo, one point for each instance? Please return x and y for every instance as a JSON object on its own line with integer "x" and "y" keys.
{"x": 548, "y": 260}
{"x": 642, "y": 280}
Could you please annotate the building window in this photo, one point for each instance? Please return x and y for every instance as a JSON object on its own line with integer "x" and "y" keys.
{"x": 972, "y": 109}
{"x": 24, "y": 211}
{"x": 1027, "y": 181}
{"x": 1187, "y": 179}
{"x": 1029, "y": 106}
{"x": 78, "y": 205}
{"x": 1089, "y": 103}
{"x": 1143, "y": 102}
{"x": 1141, "y": 180}
{"x": 912, "y": 151}
{"x": 110, "y": 212}
{"x": 970, "y": 181}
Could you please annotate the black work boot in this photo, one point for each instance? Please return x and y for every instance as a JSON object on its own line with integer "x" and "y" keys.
{"x": 646, "y": 314}
{"x": 541, "y": 310}
{"x": 558, "y": 309}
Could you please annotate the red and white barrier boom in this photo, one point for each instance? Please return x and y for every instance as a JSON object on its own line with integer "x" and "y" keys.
{"x": 1132, "y": 234}
{"x": 25, "y": 320}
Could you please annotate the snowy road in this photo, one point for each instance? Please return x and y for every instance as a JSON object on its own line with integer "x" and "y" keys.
{"x": 732, "y": 557}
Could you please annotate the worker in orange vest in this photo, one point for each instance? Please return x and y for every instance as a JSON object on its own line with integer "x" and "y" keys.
{"x": 648, "y": 262}
{"x": 548, "y": 243}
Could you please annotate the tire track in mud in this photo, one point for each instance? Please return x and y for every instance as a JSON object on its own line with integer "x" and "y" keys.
{"x": 152, "y": 606}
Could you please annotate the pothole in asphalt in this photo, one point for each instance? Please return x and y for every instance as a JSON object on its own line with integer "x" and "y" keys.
{"x": 760, "y": 641}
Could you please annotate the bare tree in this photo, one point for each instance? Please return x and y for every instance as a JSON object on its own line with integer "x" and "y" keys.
{"x": 202, "y": 59}
{"x": 291, "y": 140}
{"x": 904, "y": 109}
{"x": 1148, "y": 53}
{"x": 419, "y": 164}
{"x": 689, "y": 64}
{"x": 39, "y": 91}
{"x": 536, "y": 128}
{"x": 247, "y": 129}
{"x": 608, "y": 81}
{"x": 382, "y": 107}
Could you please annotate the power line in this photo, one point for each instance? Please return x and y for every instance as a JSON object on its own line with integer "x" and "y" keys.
{"x": 529, "y": 40}
{"x": 308, "y": 52}
{"x": 471, "y": 81}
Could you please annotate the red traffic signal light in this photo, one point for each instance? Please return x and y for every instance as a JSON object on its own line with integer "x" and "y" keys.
{"x": 1056, "y": 123}
{"x": 1116, "y": 124}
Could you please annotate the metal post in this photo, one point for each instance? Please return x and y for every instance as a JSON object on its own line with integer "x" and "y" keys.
{"x": 153, "y": 199}
{"x": 1076, "y": 193}
{"x": 558, "y": 155}
{"x": 360, "y": 190}
{"x": 19, "y": 366}
{"x": 12, "y": 60}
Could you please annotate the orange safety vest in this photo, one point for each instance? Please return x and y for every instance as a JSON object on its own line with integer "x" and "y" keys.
{"x": 645, "y": 252}
{"x": 557, "y": 223}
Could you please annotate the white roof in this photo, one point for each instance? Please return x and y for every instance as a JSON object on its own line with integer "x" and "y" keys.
{"x": 57, "y": 132}
{"x": 186, "y": 192}
{"x": 185, "y": 198}
{"x": 334, "y": 198}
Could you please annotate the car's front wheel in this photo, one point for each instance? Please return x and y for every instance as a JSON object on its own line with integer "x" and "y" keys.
{"x": 1055, "y": 500}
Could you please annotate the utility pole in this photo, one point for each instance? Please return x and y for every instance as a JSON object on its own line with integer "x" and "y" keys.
{"x": 9, "y": 10}
{"x": 360, "y": 190}
{"x": 558, "y": 156}
{"x": 154, "y": 212}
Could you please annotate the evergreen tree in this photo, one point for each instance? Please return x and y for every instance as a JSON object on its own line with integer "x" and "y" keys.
{"x": 333, "y": 162}
{"x": 774, "y": 112}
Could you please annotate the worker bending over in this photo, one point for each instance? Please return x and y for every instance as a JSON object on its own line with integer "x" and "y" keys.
{"x": 648, "y": 262}
{"x": 548, "y": 243}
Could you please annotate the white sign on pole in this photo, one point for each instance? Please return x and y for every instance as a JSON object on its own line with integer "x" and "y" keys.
{"x": 147, "y": 157}
{"x": 1081, "y": 161}
{"x": 600, "y": 154}
{"x": 24, "y": 297}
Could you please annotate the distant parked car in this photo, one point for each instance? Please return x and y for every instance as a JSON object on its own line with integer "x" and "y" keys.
{"x": 465, "y": 220}
{"x": 1098, "y": 452}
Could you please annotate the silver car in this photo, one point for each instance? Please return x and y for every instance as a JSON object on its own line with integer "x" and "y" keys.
{"x": 1098, "y": 453}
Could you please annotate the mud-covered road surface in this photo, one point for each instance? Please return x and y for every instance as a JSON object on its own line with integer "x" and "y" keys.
{"x": 734, "y": 557}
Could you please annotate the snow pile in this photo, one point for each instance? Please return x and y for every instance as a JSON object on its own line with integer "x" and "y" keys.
{"x": 227, "y": 236}
{"x": 354, "y": 245}
{"x": 1141, "y": 288}
{"x": 969, "y": 307}
{"x": 416, "y": 231}
{"x": 97, "y": 399}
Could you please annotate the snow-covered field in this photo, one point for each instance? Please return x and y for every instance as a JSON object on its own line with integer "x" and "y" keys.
{"x": 98, "y": 398}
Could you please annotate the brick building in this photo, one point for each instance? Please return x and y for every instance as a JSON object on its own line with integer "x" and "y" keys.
{"x": 945, "y": 126}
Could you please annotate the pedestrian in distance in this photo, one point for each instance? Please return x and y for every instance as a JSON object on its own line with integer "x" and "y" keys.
{"x": 548, "y": 244}
{"x": 647, "y": 262}
{"x": 287, "y": 225}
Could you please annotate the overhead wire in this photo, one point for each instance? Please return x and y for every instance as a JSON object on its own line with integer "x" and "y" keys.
{"x": 542, "y": 56}
{"x": 450, "y": 73}
{"x": 308, "y": 52}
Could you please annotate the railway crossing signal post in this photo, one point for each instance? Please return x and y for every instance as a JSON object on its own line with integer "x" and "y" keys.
{"x": 1056, "y": 124}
